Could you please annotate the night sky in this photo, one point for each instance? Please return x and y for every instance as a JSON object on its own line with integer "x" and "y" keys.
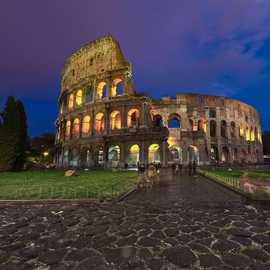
{"x": 219, "y": 47}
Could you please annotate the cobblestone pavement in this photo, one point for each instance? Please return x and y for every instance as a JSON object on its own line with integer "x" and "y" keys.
{"x": 185, "y": 224}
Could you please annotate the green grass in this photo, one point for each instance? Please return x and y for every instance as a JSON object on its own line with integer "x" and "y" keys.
{"x": 237, "y": 173}
{"x": 54, "y": 185}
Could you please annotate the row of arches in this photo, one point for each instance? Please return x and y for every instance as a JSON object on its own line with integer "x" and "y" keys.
{"x": 133, "y": 120}
{"x": 233, "y": 154}
{"x": 174, "y": 121}
{"x": 100, "y": 157}
{"x": 250, "y": 134}
{"x": 80, "y": 96}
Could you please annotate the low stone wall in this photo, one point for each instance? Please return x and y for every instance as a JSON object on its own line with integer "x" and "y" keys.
{"x": 258, "y": 188}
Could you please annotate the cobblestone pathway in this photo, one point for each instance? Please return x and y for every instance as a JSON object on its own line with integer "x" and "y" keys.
{"x": 186, "y": 224}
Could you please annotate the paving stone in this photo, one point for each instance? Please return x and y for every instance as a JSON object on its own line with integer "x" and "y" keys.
{"x": 224, "y": 246}
{"x": 239, "y": 232}
{"x": 209, "y": 260}
{"x": 257, "y": 254}
{"x": 148, "y": 242}
{"x": 52, "y": 257}
{"x": 155, "y": 264}
{"x": 180, "y": 256}
{"x": 198, "y": 247}
{"x": 236, "y": 260}
{"x": 261, "y": 238}
{"x": 171, "y": 232}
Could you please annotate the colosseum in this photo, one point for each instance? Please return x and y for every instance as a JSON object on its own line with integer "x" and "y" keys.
{"x": 104, "y": 122}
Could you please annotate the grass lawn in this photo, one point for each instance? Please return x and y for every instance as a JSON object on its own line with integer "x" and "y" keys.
{"x": 237, "y": 174}
{"x": 54, "y": 185}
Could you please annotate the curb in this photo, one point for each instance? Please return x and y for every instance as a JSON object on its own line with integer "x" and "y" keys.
{"x": 124, "y": 196}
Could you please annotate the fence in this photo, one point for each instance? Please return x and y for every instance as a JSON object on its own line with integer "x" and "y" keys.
{"x": 232, "y": 182}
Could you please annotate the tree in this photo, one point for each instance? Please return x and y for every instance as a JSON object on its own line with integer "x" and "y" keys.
{"x": 13, "y": 136}
{"x": 266, "y": 142}
{"x": 22, "y": 136}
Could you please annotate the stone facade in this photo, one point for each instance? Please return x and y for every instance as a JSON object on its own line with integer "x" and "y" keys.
{"x": 104, "y": 122}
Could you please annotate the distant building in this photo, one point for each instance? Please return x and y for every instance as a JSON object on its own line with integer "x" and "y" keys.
{"x": 104, "y": 122}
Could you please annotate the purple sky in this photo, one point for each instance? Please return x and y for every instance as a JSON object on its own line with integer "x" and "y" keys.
{"x": 218, "y": 47}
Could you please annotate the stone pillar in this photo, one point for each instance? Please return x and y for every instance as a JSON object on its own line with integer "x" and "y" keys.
{"x": 106, "y": 120}
{"x": 108, "y": 88}
{"x": 124, "y": 117}
{"x": 92, "y": 123}
{"x": 164, "y": 152}
{"x": 143, "y": 153}
{"x": 81, "y": 124}
{"x": 143, "y": 115}
{"x": 123, "y": 157}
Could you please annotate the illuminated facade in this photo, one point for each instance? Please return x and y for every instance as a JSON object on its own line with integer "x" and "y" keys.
{"x": 104, "y": 122}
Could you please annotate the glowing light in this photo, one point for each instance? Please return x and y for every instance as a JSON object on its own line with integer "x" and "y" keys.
{"x": 45, "y": 154}
{"x": 79, "y": 95}
{"x": 76, "y": 127}
{"x": 86, "y": 125}
{"x": 133, "y": 117}
{"x": 68, "y": 125}
{"x": 101, "y": 90}
{"x": 115, "y": 86}
{"x": 134, "y": 149}
{"x": 99, "y": 122}
{"x": 70, "y": 101}
{"x": 115, "y": 120}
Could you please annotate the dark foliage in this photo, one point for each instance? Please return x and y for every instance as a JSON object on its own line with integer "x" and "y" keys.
{"x": 266, "y": 142}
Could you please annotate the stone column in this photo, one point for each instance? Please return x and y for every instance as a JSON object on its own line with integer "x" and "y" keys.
{"x": 164, "y": 154}
{"x": 124, "y": 117}
{"x": 92, "y": 123}
{"x": 122, "y": 155}
{"x": 106, "y": 120}
{"x": 108, "y": 88}
{"x": 143, "y": 115}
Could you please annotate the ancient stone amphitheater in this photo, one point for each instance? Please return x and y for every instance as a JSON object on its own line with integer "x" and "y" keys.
{"x": 104, "y": 122}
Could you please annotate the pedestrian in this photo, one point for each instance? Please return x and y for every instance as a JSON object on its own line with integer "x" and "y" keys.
{"x": 180, "y": 166}
{"x": 190, "y": 168}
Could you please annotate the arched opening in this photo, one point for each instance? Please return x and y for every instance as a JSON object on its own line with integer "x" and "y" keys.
{"x": 79, "y": 97}
{"x": 117, "y": 87}
{"x": 247, "y": 134}
{"x": 70, "y": 101}
{"x": 99, "y": 156}
{"x": 74, "y": 159}
{"x": 134, "y": 155}
{"x": 212, "y": 113}
{"x": 66, "y": 158}
{"x": 68, "y": 127}
{"x": 193, "y": 154}
{"x": 214, "y": 154}
{"x": 114, "y": 156}
{"x": 234, "y": 155}
{"x": 133, "y": 118}
{"x": 157, "y": 120}
{"x": 191, "y": 124}
{"x": 233, "y": 130}
{"x": 115, "y": 120}
{"x": 154, "y": 153}
{"x": 175, "y": 153}
{"x": 213, "y": 128}
{"x": 174, "y": 121}
{"x": 252, "y": 135}
{"x": 223, "y": 127}
{"x": 101, "y": 90}
{"x": 99, "y": 122}
{"x": 86, "y": 125}
{"x": 76, "y": 127}
{"x": 225, "y": 154}
{"x": 89, "y": 94}
{"x": 201, "y": 125}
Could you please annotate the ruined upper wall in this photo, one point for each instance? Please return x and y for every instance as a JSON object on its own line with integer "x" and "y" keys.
{"x": 94, "y": 59}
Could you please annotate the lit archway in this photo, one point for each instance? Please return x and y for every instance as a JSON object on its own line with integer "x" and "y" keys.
{"x": 157, "y": 120}
{"x": 68, "y": 127}
{"x": 76, "y": 127}
{"x": 225, "y": 154}
{"x": 133, "y": 118}
{"x": 117, "y": 87}
{"x": 79, "y": 97}
{"x": 115, "y": 120}
{"x": 176, "y": 153}
{"x": 86, "y": 125}
{"x": 99, "y": 122}
{"x": 70, "y": 101}
{"x": 154, "y": 153}
{"x": 174, "y": 121}
{"x": 134, "y": 155}
{"x": 101, "y": 90}
{"x": 114, "y": 156}
{"x": 193, "y": 154}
